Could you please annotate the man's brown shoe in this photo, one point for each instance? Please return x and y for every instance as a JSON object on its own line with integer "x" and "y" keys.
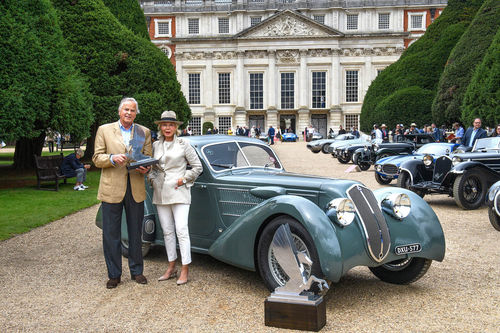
{"x": 112, "y": 283}
{"x": 140, "y": 279}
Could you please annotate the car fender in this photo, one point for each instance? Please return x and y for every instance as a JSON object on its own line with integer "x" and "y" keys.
{"x": 490, "y": 174}
{"x": 416, "y": 169}
{"x": 238, "y": 244}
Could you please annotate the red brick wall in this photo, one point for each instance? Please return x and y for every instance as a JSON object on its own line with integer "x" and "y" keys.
{"x": 428, "y": 21}
{"x": 152, "y": 33}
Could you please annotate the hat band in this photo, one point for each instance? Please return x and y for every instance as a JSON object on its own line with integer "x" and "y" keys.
{"x": 168, "y": 119}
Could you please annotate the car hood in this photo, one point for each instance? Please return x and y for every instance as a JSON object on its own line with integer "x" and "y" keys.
{"x": 320, "y": 142}
{"x": 398, "y": 159}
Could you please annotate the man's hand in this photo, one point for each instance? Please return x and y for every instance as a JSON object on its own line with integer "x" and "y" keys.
{"x": 87, "y": 166}
{"x": 143, "y": 170}
{"x": 120, "y": 159}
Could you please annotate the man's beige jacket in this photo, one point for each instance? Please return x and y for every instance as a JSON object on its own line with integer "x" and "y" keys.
{"x": 113, "y": 184}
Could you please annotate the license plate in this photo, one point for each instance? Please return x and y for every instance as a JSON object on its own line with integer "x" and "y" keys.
{"x": 406, "y": 249}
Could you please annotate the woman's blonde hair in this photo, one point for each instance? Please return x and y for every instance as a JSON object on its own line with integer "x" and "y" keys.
{"x": 160, "y": 134}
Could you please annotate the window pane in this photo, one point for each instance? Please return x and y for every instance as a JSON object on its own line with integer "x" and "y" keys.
{"x": 416, "y": 21}
{"x": 352, "y": 22}
{"x": 194, "y": 88}
{"x": 351, "y": 120}
{"x": 164, "y": 28}
{"x": 319, "y": 90}
{"x": 383, "y": 21}
{"x": 224, "y": 88}
{"x": 287, "y": 90}
{"x": 223, "y": 25}
{"x": 224, "y": 124}
{"x": 256, "y": 91}
{"x": 193, "y": 26}
{"x": 195, "y": 125}
{"x": 254, "y": 20}
{"x": 319, "y": 18}
{"x": 351, "y": 89}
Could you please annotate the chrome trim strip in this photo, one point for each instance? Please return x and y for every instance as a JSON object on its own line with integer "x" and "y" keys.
{"x": 228, "y": 214}
{"x": 238, "y": 202}
{"x": 408, "y": 171}
{"x": 496, "y": 201}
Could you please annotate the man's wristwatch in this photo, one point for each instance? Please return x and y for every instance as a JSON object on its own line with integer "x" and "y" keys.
{"x": 184, "y": 181}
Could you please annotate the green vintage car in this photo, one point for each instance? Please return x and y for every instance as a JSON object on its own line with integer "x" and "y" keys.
{"x": 244, "y": 195}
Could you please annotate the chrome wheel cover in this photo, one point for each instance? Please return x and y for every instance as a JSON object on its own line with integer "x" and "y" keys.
{"x": 277, "y": 272}
{"x": 398, "y": 265}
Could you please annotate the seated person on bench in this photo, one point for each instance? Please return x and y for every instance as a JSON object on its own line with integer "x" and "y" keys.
{"x": 72, "y": 167}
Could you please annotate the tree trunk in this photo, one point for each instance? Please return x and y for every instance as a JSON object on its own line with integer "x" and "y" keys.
{"x": 89, "y": 150}
{"x": 25, "y": 149}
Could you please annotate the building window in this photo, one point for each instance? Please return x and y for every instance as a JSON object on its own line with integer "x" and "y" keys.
{"x": 416, "y": 21}
{"x": 223, "y": 1}
{"x": 224, "y": 124}
{"x": 256, "y": 91}
{"x": 162, "y": 28}
{"x": 352, "y": 22}
{"x": 384, "y": 21}
{"x": 351, "y": 86}
{"x": 287, "y": 90}
{"x": 193, "y": 26}
{"x": 166, "y": 50}
{"x": 224, "y": 88}
{"x": 195, "y": 125}
{"x": 379, "y": 71}
{"x": 319, "y": 18}
{"x": 254, "y": 20}
{"x": 318, "y": 90}
{"x": 194, "y": 2}
{"x": 223, "y": 25}
{"x": 350, "y": 121}
{"x": 194, "y": 88}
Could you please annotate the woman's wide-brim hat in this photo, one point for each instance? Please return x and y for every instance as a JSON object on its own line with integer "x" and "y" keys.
{"x": 169, "y": 117}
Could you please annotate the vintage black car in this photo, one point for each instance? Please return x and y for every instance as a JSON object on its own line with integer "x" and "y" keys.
{"x": 493, "y": 202}
{"x": 466, "y": 176}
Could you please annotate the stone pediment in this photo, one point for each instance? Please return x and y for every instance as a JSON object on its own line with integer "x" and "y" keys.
{"x": 288, "y": 24}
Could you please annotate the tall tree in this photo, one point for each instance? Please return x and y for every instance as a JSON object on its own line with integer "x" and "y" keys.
{"x": 482, "y": 98}
{"x": 130, "y": 14}
{"x": 118, "y": 63}
{"x": 40, "y": 88}
{"x": 419, "y": 66}
{"x": 465, "y": 56}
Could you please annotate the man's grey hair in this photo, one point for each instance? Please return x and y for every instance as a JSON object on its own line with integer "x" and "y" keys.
{"x": 79, "y": 152}
{"x": 129, "y": 99}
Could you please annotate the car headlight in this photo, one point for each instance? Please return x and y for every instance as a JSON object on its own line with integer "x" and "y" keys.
{"x": 378, "y": 167}
{"x": 397, "y": 204}
{"x": 366, "y": 148}
{"x": 346, "y": 150}
{"x": 455, "y": 160}
{"x": 428, "y": 160}
{"x": 341, "y": 210}
{"x": 459, "y": 151}
{"x": 375, "y": 148}
{"x": 494, "y": 189}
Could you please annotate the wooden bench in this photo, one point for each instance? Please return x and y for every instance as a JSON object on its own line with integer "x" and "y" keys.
{"x": 48, "y": 168}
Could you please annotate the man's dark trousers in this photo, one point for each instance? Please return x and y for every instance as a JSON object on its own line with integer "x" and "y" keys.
{"x": 111, "y": 234}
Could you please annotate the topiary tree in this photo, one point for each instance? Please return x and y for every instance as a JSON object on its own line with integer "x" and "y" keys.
{"x": 130, "y": 14}
{"x": 422, "y": 63}
{"x": 206, "y": 126}
{"x": 482, "y": 98}
{"x": 118, "y": 63}
{"x": 465, "y": 56}
{"x": 40, "y": 88}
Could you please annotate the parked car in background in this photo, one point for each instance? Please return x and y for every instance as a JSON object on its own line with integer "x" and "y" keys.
{"x": 323, "y": 144}
{"x": 387, "y": 168}
{"x": 493, "y": 202}
{"x": 334, "y": 147}
{"x": 244, "y": 195}
{"x": 466, "y": 176}
{"x": 289, "y": 137}
{"x": 316, "y": 136}
{"x": 347, "y": 153}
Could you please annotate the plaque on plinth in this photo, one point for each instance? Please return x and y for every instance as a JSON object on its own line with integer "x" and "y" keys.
{"x": 134, "y": 154}
{"x": 292, "y": 305}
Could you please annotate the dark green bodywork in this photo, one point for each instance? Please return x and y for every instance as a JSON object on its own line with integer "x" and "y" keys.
{"x": 230, "y": 232}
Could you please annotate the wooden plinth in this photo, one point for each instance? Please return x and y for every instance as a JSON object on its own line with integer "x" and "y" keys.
{"x": 295, "y": 316}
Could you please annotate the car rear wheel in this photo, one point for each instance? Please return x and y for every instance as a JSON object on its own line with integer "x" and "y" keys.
{"x": 344, "y": 159}
{"x": 145, "y": 248}
{"x": 402, "y": 271}
{"x": 382, "y": 180}
{"x": 469, "y": 190}
{"x": 269, "y": 269}
{"x": 325, "y": 147}
{"x": 404, "y": 181}
{"x": 494, "y": 218}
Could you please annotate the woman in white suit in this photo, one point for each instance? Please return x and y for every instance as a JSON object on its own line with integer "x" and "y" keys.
{"x": 172, "y": 194}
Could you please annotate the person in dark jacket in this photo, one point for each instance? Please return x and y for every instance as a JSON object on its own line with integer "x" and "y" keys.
{"x": 72, "y": 167}
{"x": 270, "y": 133}
{"x": 473, "y": 133}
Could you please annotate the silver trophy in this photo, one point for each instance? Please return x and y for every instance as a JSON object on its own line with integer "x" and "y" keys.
{"x": 134, "y": 154}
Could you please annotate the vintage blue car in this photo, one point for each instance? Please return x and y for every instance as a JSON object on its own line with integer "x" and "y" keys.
{"x": 289, "y": 137}
{"x": 244, "y": 195}
{"x": 493, "y": 202}
{"x": 387, "y": 169}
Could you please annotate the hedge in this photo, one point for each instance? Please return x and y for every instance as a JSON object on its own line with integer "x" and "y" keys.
{"x": 130, "y": 14}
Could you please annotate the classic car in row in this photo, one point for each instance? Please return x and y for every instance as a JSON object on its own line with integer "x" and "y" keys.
{"x": 493, "y": 202}
{"x": 335, "y": 147}
{"x": 291, "y": 137}
{"x": 244, "y": 195}
{"x": 387, "y": 168}
{"x": 466, "y": 176}
{"x": 323, "y": 144}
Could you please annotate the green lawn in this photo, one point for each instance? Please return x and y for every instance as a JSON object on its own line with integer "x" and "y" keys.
{"x": 24, "y": 207}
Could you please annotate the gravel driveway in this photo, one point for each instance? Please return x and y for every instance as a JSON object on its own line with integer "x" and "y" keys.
{"x": 54, "y": 280}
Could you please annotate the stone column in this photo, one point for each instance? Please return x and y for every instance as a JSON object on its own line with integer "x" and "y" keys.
{"x": 303, "y": 122}
{"x": 240, "y": 117}
{"x": 272, "y": 118}
{"x": 208, "y": 87}
{"x": 271, "y": 81}
{"x": 335, "y": 84}
{"x": 366, "y": 73}
{"x": 239, "y": 82}
{"x": 336, "y": 117}
{"x": 303, "y": 88}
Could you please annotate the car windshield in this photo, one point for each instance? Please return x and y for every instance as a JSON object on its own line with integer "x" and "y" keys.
{"x": 230, "y": 155}
{"x": 434, "y": 149}
{"x": 342, "y": 137}
{"x": 487, "y": 144}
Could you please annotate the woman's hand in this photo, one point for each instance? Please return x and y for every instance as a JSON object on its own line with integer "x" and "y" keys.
{"x": 180, "y": 182}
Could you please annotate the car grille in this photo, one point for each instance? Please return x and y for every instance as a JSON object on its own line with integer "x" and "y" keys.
{"x": 236, "y": 202}
{"x": 372, "y": 221}
{"x": 441, "y": 168}
{"x": 390, "y": 169}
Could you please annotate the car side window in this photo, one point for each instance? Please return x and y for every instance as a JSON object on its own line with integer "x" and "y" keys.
{"x": 259, "y": 155}
{"x": 224, "y": 156}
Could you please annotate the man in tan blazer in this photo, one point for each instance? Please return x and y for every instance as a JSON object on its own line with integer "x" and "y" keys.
{"x": 120, "y": 188}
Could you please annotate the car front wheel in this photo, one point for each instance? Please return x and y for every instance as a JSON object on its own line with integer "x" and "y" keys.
{"x": 404, "y": 181}
{"x": 403, "y": 271}
{"x": 269, "y": 269}
{"x": 382, "y": 180}
{"x": 145, "y": 248}
{"x": 344, "y": 159}
{"x": 494, "y": 218}
{"x": 325, "y": 147}
{"x": 469, "y": 190}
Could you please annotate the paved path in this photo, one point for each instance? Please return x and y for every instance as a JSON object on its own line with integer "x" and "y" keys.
{"x": 53, "y": 281}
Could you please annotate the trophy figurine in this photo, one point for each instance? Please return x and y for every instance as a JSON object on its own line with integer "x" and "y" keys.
{"x": 134, "y": 154}
{"x": 293, "y": 305}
